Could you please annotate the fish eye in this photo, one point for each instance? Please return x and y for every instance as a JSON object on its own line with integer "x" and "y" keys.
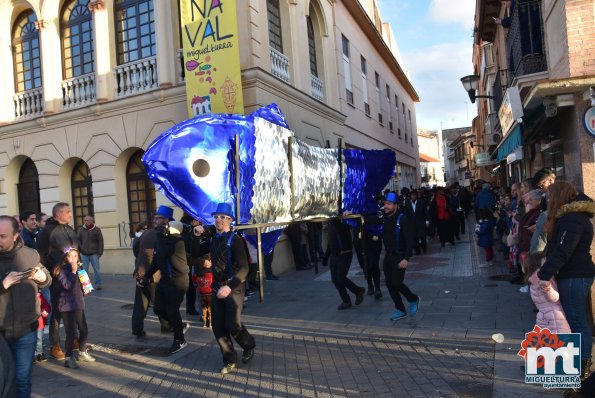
{"x": 201, "y": 168}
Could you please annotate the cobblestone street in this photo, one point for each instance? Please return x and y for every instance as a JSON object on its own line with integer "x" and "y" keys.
{"x": 308, "y": 348}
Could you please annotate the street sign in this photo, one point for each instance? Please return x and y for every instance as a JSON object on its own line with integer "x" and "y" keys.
{"x": 589, "y": 121}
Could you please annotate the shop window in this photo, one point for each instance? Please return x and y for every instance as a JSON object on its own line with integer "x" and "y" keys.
{"x": 554, "y": 159}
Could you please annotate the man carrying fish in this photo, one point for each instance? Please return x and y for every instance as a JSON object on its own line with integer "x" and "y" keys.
{"x": 230, "y": 268}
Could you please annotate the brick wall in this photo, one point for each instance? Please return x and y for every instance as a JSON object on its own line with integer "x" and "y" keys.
{"x": 580, "y": 22}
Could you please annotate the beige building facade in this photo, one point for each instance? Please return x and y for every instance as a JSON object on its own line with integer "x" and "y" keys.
{"x": 87, "y": 85}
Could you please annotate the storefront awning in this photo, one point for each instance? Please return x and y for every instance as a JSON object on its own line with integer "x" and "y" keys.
{"x": 513, "y": 140}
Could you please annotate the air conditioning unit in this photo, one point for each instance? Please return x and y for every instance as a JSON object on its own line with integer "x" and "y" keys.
{"x": 494, "y": 138}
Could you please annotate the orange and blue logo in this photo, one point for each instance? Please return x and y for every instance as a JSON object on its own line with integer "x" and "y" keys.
{"x": 552, "y": 359}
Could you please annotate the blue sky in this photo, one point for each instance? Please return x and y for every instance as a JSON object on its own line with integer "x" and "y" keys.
{"x": 436, "y": 45}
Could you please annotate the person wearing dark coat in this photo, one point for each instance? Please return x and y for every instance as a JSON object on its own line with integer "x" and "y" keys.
{"x": 171, "y": 261}
{"x": 230, "y": 268}
{"x": 442, "y": 216}
{"x": 144, "y": 294}
{"x": 56, "y": 236}
{"x": 568, "y": 259}
{"x": 417, "y": 211}
{"x": 372, "y": 239}
{"x": 340, "y": 248}
{"x": 397, "y": 238}
{"x": 21, "y": 275}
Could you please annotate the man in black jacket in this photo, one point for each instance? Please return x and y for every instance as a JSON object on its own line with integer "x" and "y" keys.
{"x": 170, "y": 260}
{"x": 51, "y": 242}
{"x": 145, "y": 287}
{"x": 230, "y": 269}
{"x": 371, "y": 238}
{"x": 397, "y": 237}
{"x": 21, "y": 275}
{"x": 417, "y": 211}
{"x": 30, "y": 230}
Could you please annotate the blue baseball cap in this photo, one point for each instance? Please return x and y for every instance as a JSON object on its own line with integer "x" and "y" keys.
{"x": 392, "y": 197}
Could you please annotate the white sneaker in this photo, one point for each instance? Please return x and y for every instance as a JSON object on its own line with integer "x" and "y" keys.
{"x": 524, "y": 289}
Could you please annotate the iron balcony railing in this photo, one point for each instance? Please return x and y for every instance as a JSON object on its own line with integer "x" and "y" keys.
{"x": 525, "y": 39}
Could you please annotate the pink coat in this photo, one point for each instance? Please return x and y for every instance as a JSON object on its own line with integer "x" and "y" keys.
{"x": 550, "y": 315}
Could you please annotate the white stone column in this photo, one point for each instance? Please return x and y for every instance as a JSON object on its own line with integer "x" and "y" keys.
{"x": 104, "y": 86}
{"x": 51, "y": 67}
{"x": 299, "y": 62}
{"x": 164, "y": 43}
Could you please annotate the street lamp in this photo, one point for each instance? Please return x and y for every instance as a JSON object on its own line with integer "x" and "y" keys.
{"x": 471, "y": 83}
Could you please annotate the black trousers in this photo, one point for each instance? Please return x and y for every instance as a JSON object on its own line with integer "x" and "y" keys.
{"x": 374, "y": 248}
{"x": 190, "y": 295}
{"x": 339, "y": 266}
{"x": 55, "y": 318}
{"x": 394, "y": 277}
{"x": 227, "y": 323}
{"x": 462, "y": 221}
{"x": 420, "y": 241}
{"x": 75, "y": 321}
{"x": 169, "y": 295}
{"x": 143, "y": 296}
{"x": 268, "y": 263}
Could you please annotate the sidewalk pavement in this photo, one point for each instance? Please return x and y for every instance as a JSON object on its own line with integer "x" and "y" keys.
{"x": 305, "y": 347}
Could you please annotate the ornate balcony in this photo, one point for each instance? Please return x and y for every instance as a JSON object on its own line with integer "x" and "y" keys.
{"x": 525, "y": 39}
{"x": 317, "y": 88}
{"x": 28, "y": 103}
{"x": 78, "y": 91}
{"x": 279, "y": 65}
{"x": 136, "y": 77}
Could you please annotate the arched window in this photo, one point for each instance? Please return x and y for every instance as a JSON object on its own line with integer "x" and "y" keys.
{"x": 141, "y": 193}
{"x": 135, "y": 30}
{"x": 312, "y": 47}
{"x": 28, "y": 188}
{"x": 76, "y": 27}
{"x": 82, "y": 193}
{"x": 26, "y": 53}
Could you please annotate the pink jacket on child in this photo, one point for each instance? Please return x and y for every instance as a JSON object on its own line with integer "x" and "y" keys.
{"x": 550, "y": 315}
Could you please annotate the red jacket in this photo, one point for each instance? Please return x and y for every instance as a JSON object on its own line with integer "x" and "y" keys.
{"x": 45, "y": 312}
{"x": 203, "y": 282}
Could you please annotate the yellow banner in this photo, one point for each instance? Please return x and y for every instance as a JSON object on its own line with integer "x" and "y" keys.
{"x": 211, "y": 56}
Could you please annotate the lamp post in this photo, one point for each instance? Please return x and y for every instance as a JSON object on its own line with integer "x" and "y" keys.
{"x": 471, "y": 83}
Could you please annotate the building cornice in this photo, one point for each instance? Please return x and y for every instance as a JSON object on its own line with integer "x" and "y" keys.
{"x": 375, "y": 37}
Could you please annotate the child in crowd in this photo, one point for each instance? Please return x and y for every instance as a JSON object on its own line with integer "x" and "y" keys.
{"x": 203, "y": 279}
{"x": 485, "y": 235}
{"x": 41, "y": 322}
{"x": 546, "y": 298}
{"x": 71, "y": 304}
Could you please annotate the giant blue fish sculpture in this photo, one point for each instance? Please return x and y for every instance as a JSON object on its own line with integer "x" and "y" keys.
{"x": 282, "y": 179}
